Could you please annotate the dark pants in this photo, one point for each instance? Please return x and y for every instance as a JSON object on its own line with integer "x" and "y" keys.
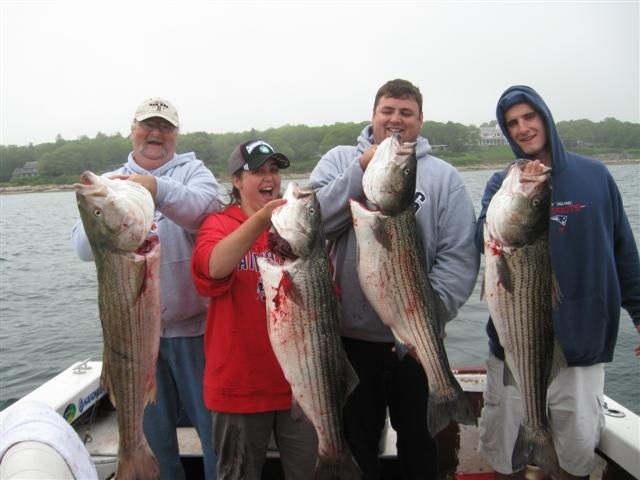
{"x": 400, "y": 386}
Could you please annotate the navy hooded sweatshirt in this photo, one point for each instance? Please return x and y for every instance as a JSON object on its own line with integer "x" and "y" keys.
{"x": 593, "y": 252}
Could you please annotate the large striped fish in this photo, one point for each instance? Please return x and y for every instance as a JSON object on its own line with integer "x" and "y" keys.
{"x": 520, "y": 291}
{"x": 391, "y": 269}
{"x": 304, "y": 328}
{"x": 117, "y": 215}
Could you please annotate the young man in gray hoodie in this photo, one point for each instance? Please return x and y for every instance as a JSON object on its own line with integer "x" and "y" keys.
{"x": 446, "y": 221}
{"x": 185, "y": 192}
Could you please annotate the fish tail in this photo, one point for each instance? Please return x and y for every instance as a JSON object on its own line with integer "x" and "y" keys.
{"x": 535, "y": 448}
{"x": 138, "y": 464}
{"x": 442, "y": 410}
{"x": 337, "y": 468}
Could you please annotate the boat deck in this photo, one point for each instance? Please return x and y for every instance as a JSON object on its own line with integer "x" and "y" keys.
{"x": 75, "y": 394}
{"x": 457, "y": 444}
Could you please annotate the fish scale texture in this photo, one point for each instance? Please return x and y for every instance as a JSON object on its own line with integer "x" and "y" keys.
{"x": 528, "y": 332}
{"x": 391, "y": 272}
{"x": 304, "y": 332}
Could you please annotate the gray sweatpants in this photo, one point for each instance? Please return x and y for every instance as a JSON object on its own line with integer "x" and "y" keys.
{"x": 241, "y": 441}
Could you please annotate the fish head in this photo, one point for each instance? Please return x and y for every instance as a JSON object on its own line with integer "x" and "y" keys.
{"x": 519, "y": 211}
{"x": 297, "y": 222}
{"x": 116, "y": 214}
{"x": 389, "y": 182}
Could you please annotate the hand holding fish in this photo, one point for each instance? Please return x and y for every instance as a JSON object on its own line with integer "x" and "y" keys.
{"x": 230, "y": 250}
{"x": 531, "y": 170}
{"x": 147, "y": 181}
{"x": 367, "y": 156}
{"x": 265, "y": 212}
{"x": 393, "y": 275}
{"x": 116, "y": 217}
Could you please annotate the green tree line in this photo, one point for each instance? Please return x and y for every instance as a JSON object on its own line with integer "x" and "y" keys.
{"x": 64, "y": 160}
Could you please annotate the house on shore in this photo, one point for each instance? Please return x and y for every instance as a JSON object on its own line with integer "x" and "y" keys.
{"x": 491, "y": 136}
{"x": 30, "y": 169}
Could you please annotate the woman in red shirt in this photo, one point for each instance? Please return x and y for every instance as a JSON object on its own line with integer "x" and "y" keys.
{"x": 243, "y": 383}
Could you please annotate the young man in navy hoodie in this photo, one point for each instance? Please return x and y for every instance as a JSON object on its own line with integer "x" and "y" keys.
{"x": 595, "y": 260}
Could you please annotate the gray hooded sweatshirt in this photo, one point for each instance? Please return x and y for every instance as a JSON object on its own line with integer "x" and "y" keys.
{"x": 446, "y": 224}
{"x": 187, "y": 192}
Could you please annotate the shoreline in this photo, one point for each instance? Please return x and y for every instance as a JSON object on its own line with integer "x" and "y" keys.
{"x": 289, "y": 176}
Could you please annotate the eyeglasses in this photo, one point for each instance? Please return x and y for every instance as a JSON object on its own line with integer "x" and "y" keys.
{"x": 164, "y": 127}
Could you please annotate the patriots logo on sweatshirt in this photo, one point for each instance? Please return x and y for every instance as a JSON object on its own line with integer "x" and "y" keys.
{"x": 561, "y": 212}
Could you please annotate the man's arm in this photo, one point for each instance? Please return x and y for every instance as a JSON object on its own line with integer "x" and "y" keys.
{"x": 336, "y": 178}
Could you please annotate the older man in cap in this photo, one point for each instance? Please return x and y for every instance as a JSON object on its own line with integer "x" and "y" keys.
{"x": 185, "y": 192}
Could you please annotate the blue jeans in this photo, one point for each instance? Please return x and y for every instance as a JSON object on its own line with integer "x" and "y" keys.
{"x": 179, "y": 374}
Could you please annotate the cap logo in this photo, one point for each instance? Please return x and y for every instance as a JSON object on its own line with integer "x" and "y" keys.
{"x": 263, "y": 147}
{"x": 159, "y": 106}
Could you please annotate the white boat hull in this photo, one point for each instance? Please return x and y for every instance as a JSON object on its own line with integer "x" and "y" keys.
{"x": 73, "y": 392}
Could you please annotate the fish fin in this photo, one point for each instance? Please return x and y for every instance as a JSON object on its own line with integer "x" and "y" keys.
{"x": 535, "y": 448}
{"x": 380, "y": 232}
{"x": 343, "y": 467}
{"x": 105, "y": 380}
{"x": 150, "y": 390}
{"x": 442, "y": 315}
{"x": 442, "y": 410}
{"x": 400, "y": 348}
{"x": 508, "y": 377}
{"x": 558, "y": 363}
{"x": 297, "y": 412}
{"x": 504, "y": 274}
{"x": 288, "y": 289}
{"x": 352, "y": 379}
{"x": 556, "y": 294}
{"x": 138, "y": 463}
{"x": 336, "y": 288}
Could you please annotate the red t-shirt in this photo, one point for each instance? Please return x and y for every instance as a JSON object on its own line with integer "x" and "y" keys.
{"x": 242, "y": 374}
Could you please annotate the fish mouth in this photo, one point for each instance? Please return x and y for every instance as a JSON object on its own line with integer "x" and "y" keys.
{"x": 87, "y": 178}
{"x": 365, "y": 205}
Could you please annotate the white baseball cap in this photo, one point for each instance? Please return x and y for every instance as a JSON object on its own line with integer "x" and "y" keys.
{"x": 157, "y": 107}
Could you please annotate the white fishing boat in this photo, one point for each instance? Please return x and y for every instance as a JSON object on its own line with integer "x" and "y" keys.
{"x": 76, "y": 396}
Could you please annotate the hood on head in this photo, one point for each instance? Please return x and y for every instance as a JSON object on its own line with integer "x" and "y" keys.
{"x": 524, "y": 94}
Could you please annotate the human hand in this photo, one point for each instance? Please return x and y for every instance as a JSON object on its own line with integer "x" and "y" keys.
{"x": 147, "y": 181}
{"x": 532, "y": 173}
{"x": 367, "y": 156}
{"x": 264, "y": 214}
{"x": 532, "y": 170}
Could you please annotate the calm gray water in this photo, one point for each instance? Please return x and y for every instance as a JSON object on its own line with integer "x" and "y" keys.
{"x": 49, "y": 316}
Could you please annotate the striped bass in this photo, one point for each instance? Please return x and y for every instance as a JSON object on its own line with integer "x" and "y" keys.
{"x": 520, "y": 291}
{"x": 303, "y": 318}
{"x": 117, "y": 216}
{"x": 391, "y": 269}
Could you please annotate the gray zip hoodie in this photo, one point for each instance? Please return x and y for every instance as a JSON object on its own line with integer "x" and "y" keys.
{"x": 187, "y": 192}
{"x": 446, "y": 223}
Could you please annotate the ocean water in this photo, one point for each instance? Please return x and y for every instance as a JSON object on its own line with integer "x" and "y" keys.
{"x": 49, "y": 314}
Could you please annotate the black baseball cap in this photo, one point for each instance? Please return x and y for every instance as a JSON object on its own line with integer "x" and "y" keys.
{"x": 251, "y": 155}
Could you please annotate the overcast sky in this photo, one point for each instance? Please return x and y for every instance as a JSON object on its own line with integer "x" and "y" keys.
{"x": 81, "y": 67}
